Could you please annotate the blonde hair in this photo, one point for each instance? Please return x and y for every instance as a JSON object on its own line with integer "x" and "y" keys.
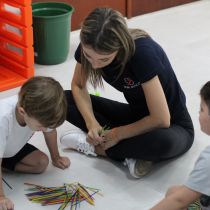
{"x": 105, "y": 31}
{"x": 43, "y": 99}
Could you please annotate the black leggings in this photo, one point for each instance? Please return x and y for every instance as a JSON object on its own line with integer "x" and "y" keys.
{"x": 159, "y": 144}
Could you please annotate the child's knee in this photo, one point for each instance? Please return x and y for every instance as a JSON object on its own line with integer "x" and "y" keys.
{"x": 42, "y": 163}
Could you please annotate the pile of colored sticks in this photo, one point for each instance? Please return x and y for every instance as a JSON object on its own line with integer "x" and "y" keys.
{"x": 194, "y": 206}
{"x": 68, "y": 194}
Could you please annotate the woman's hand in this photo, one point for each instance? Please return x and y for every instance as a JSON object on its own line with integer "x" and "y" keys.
{"x": 93, "y": 137}
{"x": 110, "y": 138}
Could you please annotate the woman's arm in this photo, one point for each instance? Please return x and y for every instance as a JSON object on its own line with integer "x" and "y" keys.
{"x": 84, "y": 104}
{"x": 82, "y": 97}
{"x": 159, "y": 115}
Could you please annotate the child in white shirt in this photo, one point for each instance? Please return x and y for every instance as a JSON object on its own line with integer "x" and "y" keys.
{"x": 197, "y": 187}
{"x": 39, "y": 106}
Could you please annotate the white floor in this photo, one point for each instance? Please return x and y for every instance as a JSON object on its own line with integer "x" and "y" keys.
{"x": 184, "y": 33}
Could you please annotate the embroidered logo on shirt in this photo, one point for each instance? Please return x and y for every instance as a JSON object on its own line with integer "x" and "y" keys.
{"x": 130, "y": 83}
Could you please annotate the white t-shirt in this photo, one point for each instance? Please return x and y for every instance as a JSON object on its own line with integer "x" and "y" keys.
{"x": 199, "y": 179}
{"x": 12, "y": 136}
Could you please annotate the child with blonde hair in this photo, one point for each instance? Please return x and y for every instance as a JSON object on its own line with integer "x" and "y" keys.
{"x": 39, "y": 106}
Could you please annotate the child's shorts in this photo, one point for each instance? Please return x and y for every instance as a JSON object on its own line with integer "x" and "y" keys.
{"x": 10, "y": 163}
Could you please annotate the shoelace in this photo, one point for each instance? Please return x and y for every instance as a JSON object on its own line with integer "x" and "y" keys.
{"x": 86, "y": 148}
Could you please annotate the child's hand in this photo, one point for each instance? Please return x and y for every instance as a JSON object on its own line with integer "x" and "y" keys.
{"x": 61, "y": 162}
{"x": 6, "y": 203}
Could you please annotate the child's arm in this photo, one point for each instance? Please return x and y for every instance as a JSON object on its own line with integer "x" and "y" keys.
{"x": 5, "y": 203}
{"x": 51, "y": 141}
{"x": 178, "y": 200}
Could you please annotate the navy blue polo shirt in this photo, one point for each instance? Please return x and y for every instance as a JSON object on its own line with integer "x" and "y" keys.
{"x": 148, "y": 61}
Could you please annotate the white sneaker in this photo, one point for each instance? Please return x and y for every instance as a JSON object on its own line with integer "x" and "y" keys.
{"x": 76, "y": 139}
{"x": 138, "y": 168}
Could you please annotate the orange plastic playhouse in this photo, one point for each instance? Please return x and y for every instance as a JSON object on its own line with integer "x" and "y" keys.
{"x": 16, "y": 43}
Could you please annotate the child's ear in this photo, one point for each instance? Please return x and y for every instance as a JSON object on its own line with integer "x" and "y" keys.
{"x": 21, "y": 110}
